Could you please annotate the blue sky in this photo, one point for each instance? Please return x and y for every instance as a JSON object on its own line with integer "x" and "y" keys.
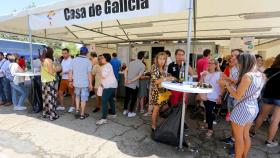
{"x": 10, "y": 5}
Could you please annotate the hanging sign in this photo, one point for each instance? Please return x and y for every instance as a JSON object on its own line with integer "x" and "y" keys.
{"x": 102, "y": 10}
{"x": 248, "y": 43}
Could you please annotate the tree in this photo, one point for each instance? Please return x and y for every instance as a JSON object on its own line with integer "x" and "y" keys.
{"x": 72, "y": 47}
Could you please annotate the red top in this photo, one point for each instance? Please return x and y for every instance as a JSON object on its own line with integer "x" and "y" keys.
{"x": 21, "y": 63}
{"x": 227, "y": 71}
{"x": 202, "y": 65}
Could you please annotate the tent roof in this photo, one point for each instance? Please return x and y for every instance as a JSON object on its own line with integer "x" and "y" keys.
{"x": 215, "y": 19}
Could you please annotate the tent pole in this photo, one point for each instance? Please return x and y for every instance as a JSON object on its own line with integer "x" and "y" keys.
{"x": 30, "y": 43}
{"x": 186, "y": 72}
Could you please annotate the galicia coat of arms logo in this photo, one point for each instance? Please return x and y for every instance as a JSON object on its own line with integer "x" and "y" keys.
{"x": 50, "y": 16}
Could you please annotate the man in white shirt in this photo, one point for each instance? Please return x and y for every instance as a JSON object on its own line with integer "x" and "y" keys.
{"x": 64, "y": 83}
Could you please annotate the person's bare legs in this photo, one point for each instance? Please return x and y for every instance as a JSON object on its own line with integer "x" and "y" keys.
{"x": 83, "y": 107}
{"x": 238, "y": 134}
{"x": 265, "y": 110}
{"x": 77, "y": 103}
{"x": 273, "y": 127}
{"x": 61, "y": 98}
{"x": 155, "y": 116}
{"x": 247, "y": 139}
{"x": 142, "y": 99}
{"x": 98, "y": 99}
{"x": 73, "y": 98}
{"x": 137, "y": 103}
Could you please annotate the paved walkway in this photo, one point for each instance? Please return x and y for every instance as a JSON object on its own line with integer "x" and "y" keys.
{"x": 27, "y": 135}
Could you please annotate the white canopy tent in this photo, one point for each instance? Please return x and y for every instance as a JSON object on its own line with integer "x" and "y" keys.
{"x": 164, "y": 20}
{"x": 215, "y": 19}
{"x": 77, "y": 16}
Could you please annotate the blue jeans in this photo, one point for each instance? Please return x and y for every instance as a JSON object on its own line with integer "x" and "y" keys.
{"x": 108, "y": 95}
{"x": 5, "y": 90}
{"x": 19, "y": 94}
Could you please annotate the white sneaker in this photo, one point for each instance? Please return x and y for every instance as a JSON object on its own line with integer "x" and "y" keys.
{"x": 112, "y": 116}
{"x": 101, "y": 122}
{"x": 131, "y": 114}
{"x": 214, "y": 122}
{"x": 147, "y": 114}
{"x": 19, "y": 108}
{"x": 125, "y": 112}
{"x": 71, "y": 110}
{"x": 93, "y": 96}
{"x": 60, "y": 108}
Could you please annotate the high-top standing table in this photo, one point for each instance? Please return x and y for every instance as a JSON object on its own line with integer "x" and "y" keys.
{"x": 35, "y": 95}
{"x": 187, "y": 87}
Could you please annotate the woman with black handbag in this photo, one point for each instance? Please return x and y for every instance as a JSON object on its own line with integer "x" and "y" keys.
{"x": 159, "y": 95}
{"x": 271, "y": 102}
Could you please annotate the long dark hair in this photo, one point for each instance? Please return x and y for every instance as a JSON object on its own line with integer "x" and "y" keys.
{"x": 48, "y": 52}
{"x": 247, "y": 62}
{"x": 276, "y": 63}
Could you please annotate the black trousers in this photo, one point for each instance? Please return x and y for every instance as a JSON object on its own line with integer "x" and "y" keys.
{"x": 130, "y": 95}
{"x": 209, "y": 106}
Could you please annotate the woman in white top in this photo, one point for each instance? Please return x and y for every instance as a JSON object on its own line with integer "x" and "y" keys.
{"x": 19, "y": 92}
{"x": 212, "y": 76}
{"x": 109, "y": 84}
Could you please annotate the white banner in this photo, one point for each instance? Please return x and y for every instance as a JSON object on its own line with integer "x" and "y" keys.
{"x": 101, "y": 10}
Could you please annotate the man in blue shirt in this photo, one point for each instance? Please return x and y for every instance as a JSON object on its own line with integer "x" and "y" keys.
{"x": 80, "y": 78}
{"x": 116, "y": 64}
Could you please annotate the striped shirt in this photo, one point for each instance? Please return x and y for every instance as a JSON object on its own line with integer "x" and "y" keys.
{"x": 246, "y": 109}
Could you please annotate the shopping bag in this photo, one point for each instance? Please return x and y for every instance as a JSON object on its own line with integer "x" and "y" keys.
{"x": 165, "y": 111}
{"x": 169, "y": 131}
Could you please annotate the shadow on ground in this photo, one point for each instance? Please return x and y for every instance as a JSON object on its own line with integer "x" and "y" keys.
{"x": 121, "y": 137}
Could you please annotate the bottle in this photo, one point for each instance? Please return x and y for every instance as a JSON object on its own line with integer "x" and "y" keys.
{"x": 182, "y": 73}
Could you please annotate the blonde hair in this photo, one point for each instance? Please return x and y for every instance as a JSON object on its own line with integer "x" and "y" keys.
{"x": 216, "y": 62}
{"x": 157, "y": 57}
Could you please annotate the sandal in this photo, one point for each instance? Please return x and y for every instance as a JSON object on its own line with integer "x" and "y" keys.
{"x": 77, "y": 114}
{"x": 82, "y": 117}
{"x": 52, "y": 118}
{"x": 203, "y": 127}
{"x": 209, "y": 134}
{"x": 252, "y": 131}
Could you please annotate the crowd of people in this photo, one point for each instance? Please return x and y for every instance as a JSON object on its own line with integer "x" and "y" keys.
{"x": 241, "y": 82}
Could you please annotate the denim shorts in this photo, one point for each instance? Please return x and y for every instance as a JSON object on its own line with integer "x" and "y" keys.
{"x": 231, "y": 102}
{"x": 271, "y": 101}
{"x": 82, "y": 92}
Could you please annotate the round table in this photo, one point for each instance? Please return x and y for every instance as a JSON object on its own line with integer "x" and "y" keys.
{"x": 27, "y": 74}
{"x": 186, "y": 87}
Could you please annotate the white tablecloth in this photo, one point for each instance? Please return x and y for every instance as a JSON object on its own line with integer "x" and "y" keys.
{"x": 28, "y": 74}
{"x": 187, "y": 88}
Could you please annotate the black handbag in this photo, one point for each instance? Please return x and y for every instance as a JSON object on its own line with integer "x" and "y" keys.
{"x": 165, "y": 111}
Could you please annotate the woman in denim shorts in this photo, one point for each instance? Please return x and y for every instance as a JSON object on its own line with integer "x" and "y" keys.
{"x": 271, "y": 103}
